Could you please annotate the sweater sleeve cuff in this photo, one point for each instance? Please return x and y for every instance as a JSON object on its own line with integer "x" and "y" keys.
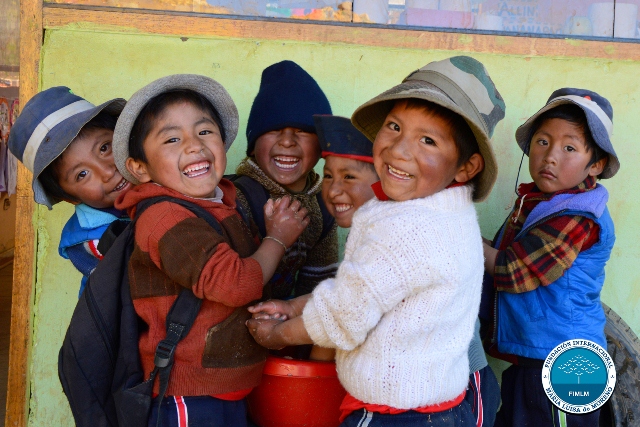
{"x": 313, "y": 324}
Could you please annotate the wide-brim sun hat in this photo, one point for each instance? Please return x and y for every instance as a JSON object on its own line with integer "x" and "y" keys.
{"x": 598, "y": 112}
{"x": 460, "y": 84}
{"x": 206, "y": 86}
{"x": 47, "y": 125}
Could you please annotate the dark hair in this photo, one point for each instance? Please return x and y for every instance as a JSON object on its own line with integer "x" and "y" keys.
{"x": 156, "y": 106}
{"x": 463, "y": 136}
{"x": 366, "y": 165}
{"x": 574, "y": 115}
{"x": 369, "y": 166}
{"x": 49, "y": 177}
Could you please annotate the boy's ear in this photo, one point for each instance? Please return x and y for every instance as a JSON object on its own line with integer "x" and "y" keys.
{"x": 138, "y": 169}
{"x": 470, "y": 168}
{"x": 597, "y": 168}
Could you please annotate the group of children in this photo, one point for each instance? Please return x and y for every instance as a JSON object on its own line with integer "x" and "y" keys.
{"x": 403, "y": 309}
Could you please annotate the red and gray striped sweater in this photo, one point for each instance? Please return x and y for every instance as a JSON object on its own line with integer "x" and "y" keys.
{"x": 175, "y": 249}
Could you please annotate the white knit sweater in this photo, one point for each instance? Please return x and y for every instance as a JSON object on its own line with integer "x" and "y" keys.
{"x": 402, "y": 307}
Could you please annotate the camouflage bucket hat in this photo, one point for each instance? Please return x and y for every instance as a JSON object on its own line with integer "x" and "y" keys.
{"x": 460, "y": 84}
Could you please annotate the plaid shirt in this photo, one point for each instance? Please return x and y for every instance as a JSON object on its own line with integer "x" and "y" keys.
{"x": 542, "y": 255}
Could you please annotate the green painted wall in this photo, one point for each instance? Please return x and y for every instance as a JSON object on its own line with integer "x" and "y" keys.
{"x": 102, "y": 65}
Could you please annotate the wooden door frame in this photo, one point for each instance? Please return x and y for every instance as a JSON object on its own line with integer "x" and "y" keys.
{"x": 36, "y": 17}
{"x": 25, "y": 237}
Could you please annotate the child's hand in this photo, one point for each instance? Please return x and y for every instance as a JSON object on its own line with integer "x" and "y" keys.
{"x": 272, "y": 309}
{"x": 285, "y": 220}
{"x": 266, "y": 333}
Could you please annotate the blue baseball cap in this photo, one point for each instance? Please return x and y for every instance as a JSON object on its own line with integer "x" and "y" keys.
{"x": 46, "y": 126}
{"x": 598, "y": 112}
{"x": 338, "y": 137}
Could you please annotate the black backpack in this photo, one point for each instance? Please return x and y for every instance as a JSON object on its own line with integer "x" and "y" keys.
{"x": 257, "y": 196}
{"x": 99, "y": 363}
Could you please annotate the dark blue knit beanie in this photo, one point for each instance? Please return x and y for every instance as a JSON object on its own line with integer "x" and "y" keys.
{"x": 288, "y": 97}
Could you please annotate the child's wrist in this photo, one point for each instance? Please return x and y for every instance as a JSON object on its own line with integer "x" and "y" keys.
{"x": 277, "y": 241}
{"x": 279, "y": 332}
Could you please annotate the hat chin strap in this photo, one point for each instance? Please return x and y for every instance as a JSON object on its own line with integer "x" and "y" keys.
{"x": 518, "y": 176}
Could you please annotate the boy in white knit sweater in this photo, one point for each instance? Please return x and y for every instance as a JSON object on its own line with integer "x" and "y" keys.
{"x": 402, "y": 308}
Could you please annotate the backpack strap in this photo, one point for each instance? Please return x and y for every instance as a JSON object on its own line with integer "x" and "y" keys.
{"x": 181, "y": 316}
{"x": 256, "y": 195}
{"x": 111, "y": 234}
{"x": 185, "y": 308}
{"x": 196, "y": 209}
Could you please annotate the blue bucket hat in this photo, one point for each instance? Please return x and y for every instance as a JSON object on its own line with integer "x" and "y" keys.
{"x": 338, "y": 137}
{"x": 46, "y": 126}
{"x": 599, "y": 115}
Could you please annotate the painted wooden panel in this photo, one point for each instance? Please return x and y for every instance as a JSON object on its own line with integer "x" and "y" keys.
{"x": 105, "y": 61}
{"x": 578, "y": 18}
{"x": 9, "y": 35}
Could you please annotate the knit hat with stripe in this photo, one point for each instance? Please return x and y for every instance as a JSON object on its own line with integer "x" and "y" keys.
{"x": 460, "y": 84}
{"x": 47, "y": 125}
{"x": 599, "y": 115}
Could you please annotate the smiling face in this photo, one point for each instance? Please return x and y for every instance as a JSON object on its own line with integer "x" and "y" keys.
{"x": 558, "y": 156}
{"x": 87, "y": 172}
{"x": 287, "y": 156}
{"x": 184, "y": 151}
{"x": 415, "y": 154}
{"x": 346, "y": 186}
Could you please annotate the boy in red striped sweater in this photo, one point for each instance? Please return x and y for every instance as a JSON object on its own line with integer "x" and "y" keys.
{"x": 172, "y": 140}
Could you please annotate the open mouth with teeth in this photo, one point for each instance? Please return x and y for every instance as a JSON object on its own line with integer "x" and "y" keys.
{"x": 196, "y": 169}
{"x": 342, "y": 207}
{"x": 121, "y": 185}
{"x": 286, "y": 162}
{"x": 397, "y": 173}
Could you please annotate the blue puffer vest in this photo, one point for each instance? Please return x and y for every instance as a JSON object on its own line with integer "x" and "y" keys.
{"x": 531, "y": 324}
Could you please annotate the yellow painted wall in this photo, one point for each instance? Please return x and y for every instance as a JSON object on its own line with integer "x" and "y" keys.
{"x": 102, "y": 65}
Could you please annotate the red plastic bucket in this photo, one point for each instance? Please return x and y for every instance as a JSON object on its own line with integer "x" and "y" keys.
{"x": 297, "y": 393}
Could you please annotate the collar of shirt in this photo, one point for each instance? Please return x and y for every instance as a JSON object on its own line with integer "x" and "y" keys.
{"x": 528, "y": 198}
{"x": 532, "y": 192}
{"x": 380, "y": 195}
